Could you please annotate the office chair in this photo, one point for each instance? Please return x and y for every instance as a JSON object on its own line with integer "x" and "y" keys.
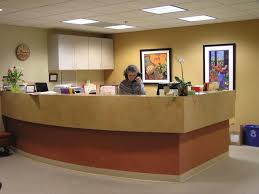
{"x": 5, "y": 142}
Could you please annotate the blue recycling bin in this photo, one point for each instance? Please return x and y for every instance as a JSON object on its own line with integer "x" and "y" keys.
{"x": 252, "y": 135}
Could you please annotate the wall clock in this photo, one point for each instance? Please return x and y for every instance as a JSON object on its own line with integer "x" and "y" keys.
{"x": 22, "y": 52}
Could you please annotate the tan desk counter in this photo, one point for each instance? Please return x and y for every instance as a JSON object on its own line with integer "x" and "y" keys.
{"x": 149, "y": 137}
{"x": 121, "y": 113}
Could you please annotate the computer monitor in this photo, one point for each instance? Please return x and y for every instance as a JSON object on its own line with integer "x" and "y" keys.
{"x": 41, "y": 86}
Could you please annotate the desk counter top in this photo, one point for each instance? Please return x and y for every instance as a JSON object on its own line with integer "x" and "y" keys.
{"x": 162, "y": 114}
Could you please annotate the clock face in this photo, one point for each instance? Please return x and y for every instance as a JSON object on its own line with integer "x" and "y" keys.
{"x": 22, "y": 52}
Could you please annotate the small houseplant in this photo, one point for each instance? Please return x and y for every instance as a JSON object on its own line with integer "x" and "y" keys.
{"x": 183, "y": 85}
{"x": 14, "y": 75}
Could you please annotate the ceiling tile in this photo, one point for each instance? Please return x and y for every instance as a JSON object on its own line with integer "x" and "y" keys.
{"x": 198, "y": 5}
{"x": 246, "y": 6}
{"x": 51, "y": 13}
{"x": 232, "y": 2}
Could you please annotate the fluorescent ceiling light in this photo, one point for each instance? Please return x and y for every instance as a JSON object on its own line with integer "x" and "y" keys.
{"x": 80, "y": 21}
{"x": 163, "y": 9}
{"x": 197, "y": 18}
{"x": 119, "y": 27}
{"x": 1, "y": 9}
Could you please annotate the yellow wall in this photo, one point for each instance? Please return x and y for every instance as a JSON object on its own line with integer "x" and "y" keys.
{"x": 188, "y": 42}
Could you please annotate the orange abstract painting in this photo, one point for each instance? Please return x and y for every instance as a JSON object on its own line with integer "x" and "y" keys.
{"x": 156, "y": 65}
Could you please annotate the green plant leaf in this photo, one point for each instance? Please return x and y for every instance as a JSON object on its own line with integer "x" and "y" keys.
{"x": 177, "y": 79}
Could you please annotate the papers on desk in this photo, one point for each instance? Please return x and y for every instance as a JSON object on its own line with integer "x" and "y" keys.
{"x": 108, "y": 90}
{"x": 47, "y": 92}
{"x": 43, "y": 93}
{"x": 90, "y": 88}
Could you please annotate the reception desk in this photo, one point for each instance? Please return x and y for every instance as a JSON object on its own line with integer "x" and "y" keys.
{"x": 149, "y": 137}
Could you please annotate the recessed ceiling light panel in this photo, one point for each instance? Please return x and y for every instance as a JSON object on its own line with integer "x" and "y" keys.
{"x": 80, "y": 21}
{"x": 163, "y": 9}
{"x": 197, "y": 18}
{"x": 119, "y": 27}
{"x": 1, "y": 9}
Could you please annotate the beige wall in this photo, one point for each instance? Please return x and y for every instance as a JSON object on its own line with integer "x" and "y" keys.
{"x": 80, "y": 77}
{"x": 188, "y": 42}
{"x": 35, "y": 68}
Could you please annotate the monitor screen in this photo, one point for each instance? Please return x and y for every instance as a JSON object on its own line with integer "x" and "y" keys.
{"x": 41, "y": 86}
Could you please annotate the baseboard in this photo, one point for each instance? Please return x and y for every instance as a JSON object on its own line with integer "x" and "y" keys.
{"x": 197, "y": 170}
{"x": 126, "y": 174}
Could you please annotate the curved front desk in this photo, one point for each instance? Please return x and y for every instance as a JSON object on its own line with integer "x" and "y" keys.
{"x": 149, "y": 137}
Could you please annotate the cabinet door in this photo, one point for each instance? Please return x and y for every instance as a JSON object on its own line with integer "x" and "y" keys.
{"x": 107, "y": 54}
{"x": 95, "y": 53}
{"x": 66, "y": 52}
{"x": 81, "y": 52}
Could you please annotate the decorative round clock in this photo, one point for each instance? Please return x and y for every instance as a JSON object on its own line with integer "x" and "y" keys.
{"x": 22, "y": 52}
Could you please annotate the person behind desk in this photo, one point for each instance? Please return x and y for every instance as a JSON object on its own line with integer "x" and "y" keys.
{"x": 132, "y": 85}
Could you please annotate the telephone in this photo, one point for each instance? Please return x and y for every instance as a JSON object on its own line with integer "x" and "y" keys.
{"x": 139, "y": 75}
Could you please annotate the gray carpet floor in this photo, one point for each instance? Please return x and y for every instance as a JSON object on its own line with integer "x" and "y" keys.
{"x": 237, "y": 174}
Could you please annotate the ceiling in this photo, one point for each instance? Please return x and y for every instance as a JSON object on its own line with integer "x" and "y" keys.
{"x": 51, "y": 13}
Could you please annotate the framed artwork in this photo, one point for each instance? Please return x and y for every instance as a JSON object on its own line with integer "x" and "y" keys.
{"x": 53, "y": 77}
{"x": 156, "y": 65}
{"x": 219, "y": 65}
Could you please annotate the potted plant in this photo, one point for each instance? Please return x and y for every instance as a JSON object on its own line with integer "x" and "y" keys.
{"x": 14, "y": 75}
{"x": 183, "y": 85}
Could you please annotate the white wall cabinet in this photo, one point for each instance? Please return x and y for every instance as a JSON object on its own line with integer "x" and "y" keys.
{"x": 68, "y": 52}
{"x": 107, "y": 54}
{"x": 81, "y": 52}
{"x": 95, "y": 53}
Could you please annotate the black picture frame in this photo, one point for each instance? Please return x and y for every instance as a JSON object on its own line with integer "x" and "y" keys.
{"x": 156, "y": 65}
{"x": 53, "y": 77}
{"x": 219, "y": 64}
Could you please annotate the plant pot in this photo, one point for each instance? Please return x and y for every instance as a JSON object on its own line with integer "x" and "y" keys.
{"x": 15, "y": 88}
{"x": 183, "y": 91}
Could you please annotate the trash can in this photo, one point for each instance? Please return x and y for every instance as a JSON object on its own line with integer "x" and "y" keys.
{"x": 252, "y": 135}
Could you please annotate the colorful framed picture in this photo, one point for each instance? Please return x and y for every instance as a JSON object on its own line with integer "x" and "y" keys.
{"x": 219, "y": 65}
{"x": 156, "y": 65}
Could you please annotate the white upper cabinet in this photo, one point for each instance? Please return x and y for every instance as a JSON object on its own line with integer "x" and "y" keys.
{"x": 66, "y": 51}
{"x": 69, "y": 52}
{"x": 107, "y": 54}
{"x": 95, "y": 53}
{"x": 81, "y": 53}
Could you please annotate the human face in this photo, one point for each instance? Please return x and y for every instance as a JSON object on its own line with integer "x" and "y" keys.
{"x": 132, "y": 76}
